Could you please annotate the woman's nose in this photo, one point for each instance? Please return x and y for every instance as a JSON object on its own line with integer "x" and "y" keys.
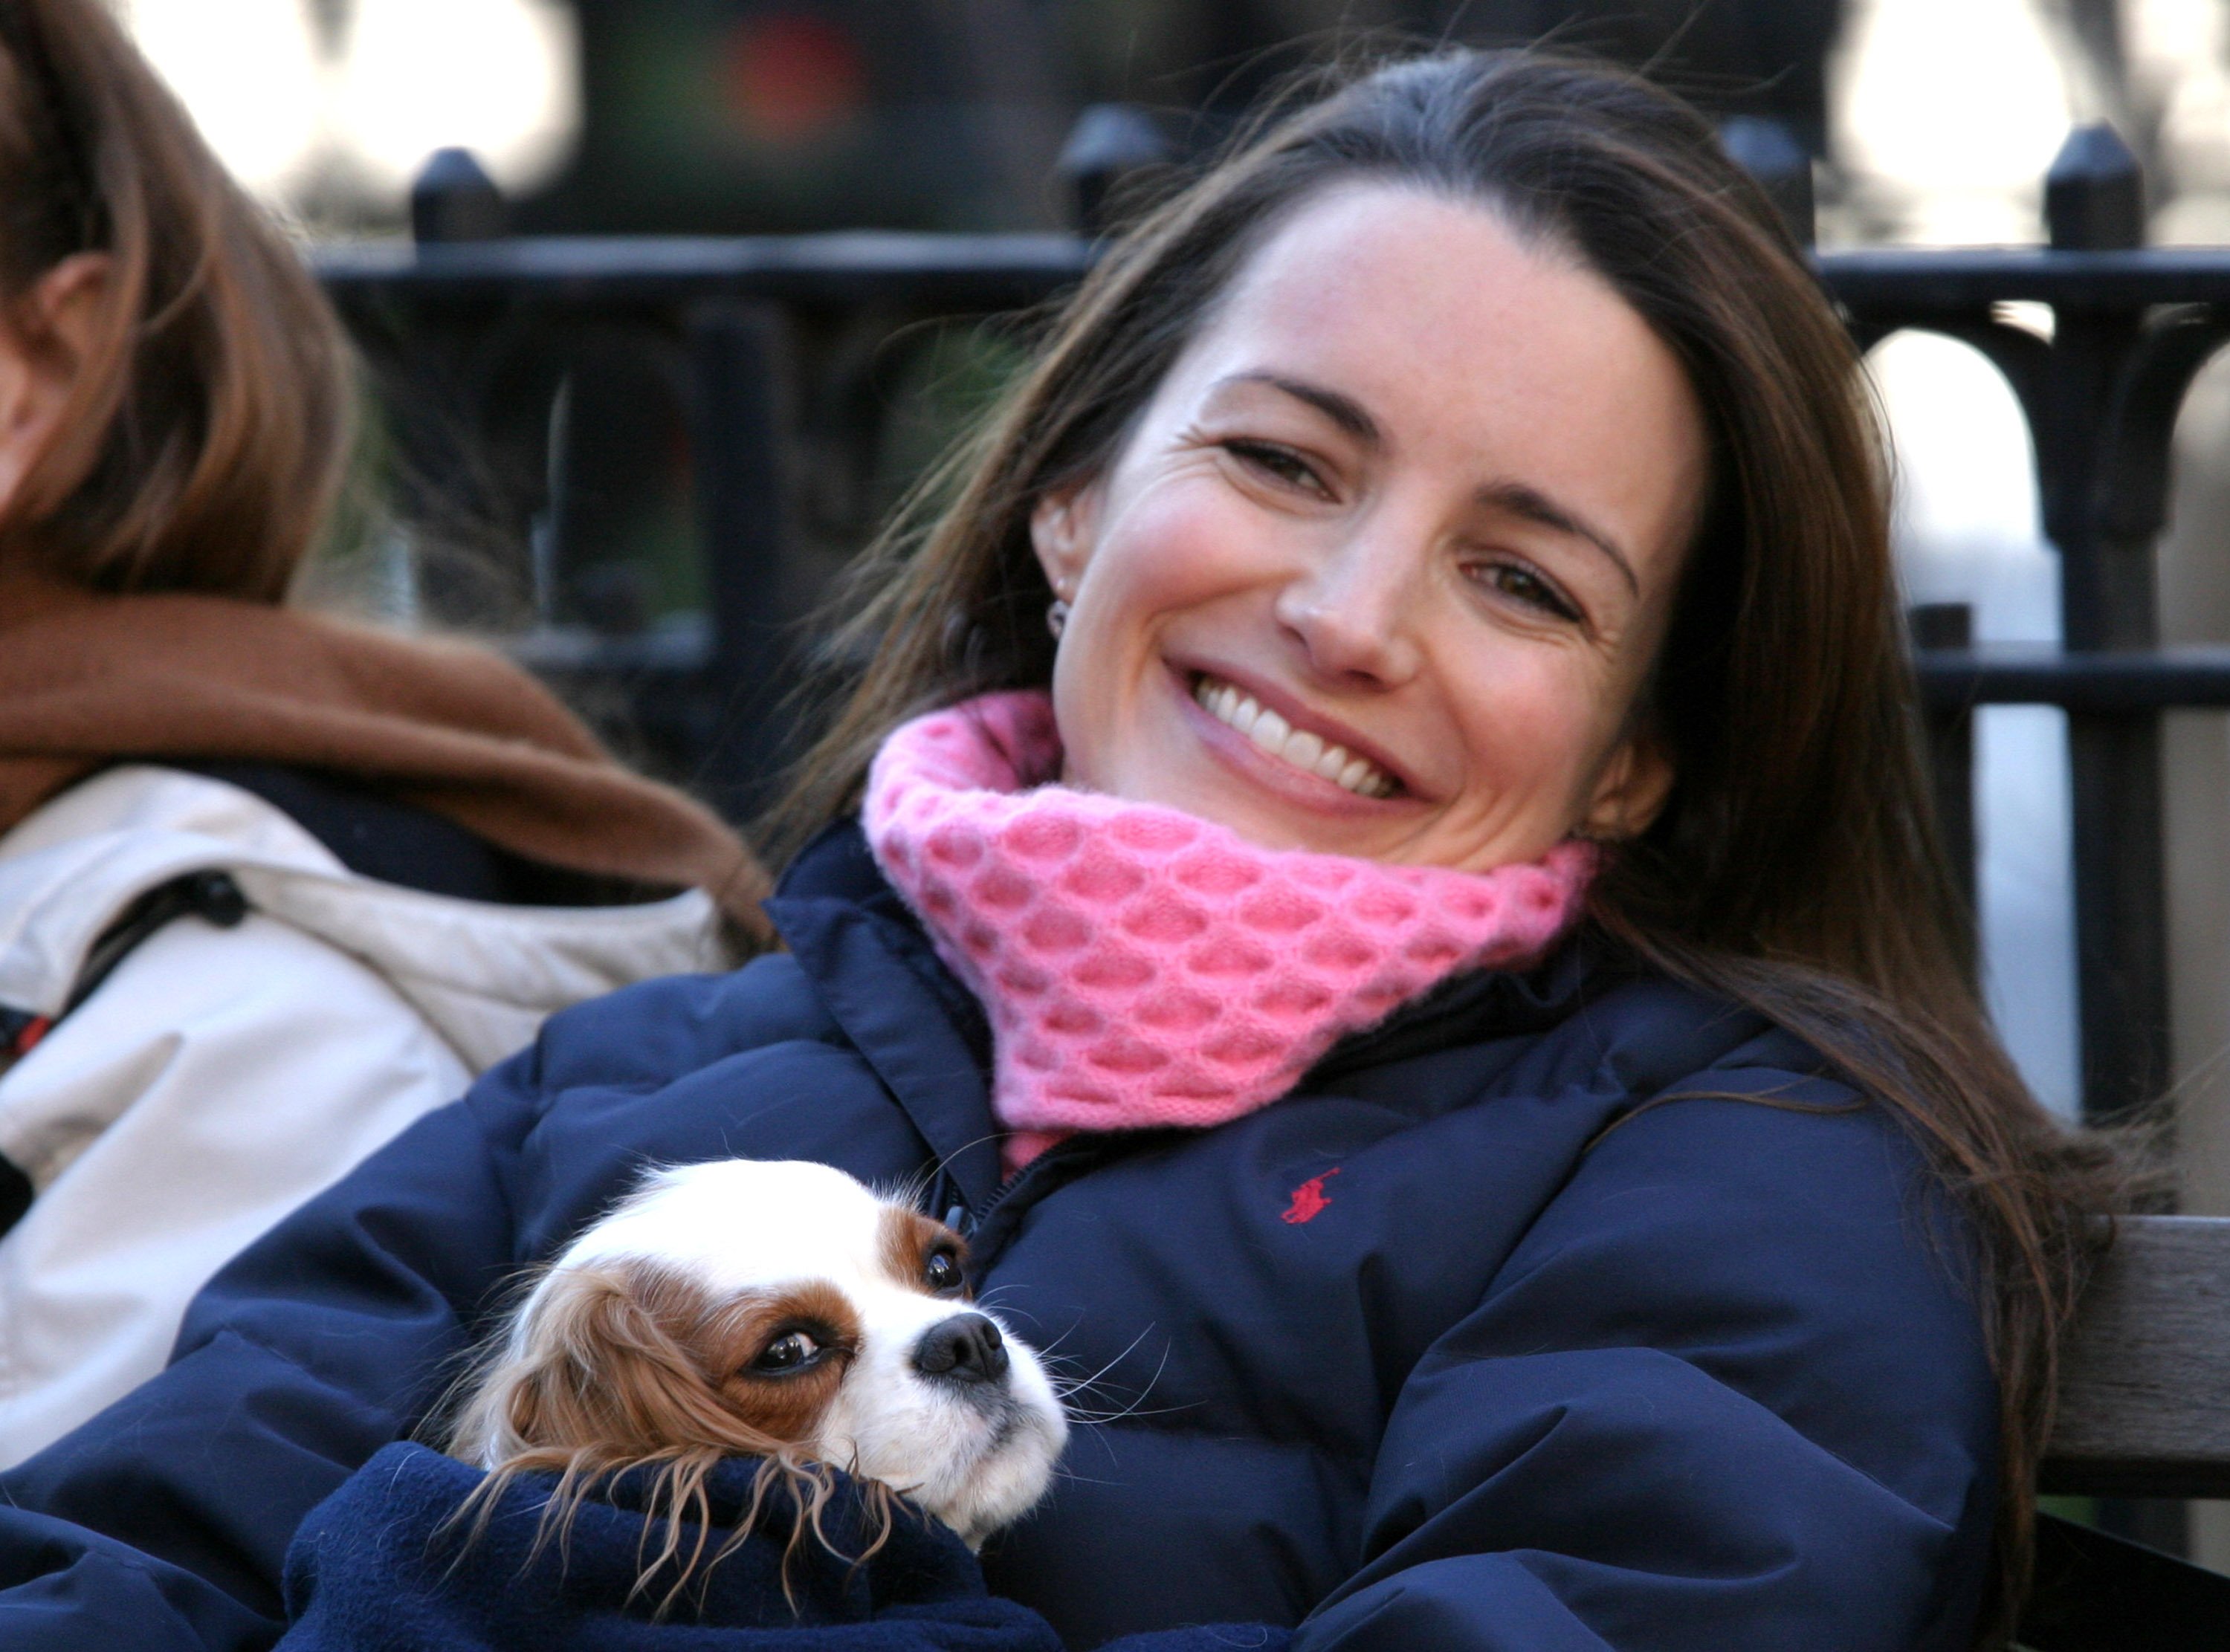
{"x": 1353, "y": 613}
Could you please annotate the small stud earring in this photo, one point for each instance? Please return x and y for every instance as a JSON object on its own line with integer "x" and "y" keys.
{"x": 1057, "y": 618}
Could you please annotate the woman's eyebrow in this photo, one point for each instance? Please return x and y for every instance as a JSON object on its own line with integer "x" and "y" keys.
{"x": 1344, "y": 411}
{"x": 1520, "y": 499}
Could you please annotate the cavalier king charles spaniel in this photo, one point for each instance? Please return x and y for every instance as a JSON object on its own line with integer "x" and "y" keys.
{"x": 773, "y": 1310}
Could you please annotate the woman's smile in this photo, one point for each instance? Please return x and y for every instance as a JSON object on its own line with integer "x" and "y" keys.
{"x": 1381, "y": 567}
{"x": 1287, "y": 741}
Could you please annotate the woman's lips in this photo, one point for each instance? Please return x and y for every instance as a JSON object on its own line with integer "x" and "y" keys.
{"x": 1271, "y": 733}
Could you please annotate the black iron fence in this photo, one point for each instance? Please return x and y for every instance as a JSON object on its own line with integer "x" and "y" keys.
{"x": 761, "y": 356}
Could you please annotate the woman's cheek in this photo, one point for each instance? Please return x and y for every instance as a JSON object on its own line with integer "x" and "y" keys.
{"x": 1537, "y": 729}
{"x": 1160, "y": 580}
{"x": 1184, "y": 547}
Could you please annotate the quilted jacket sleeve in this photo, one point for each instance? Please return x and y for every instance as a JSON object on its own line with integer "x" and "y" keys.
{"x": 1728, "y": 1394}
{"x": 163, "y": 1524}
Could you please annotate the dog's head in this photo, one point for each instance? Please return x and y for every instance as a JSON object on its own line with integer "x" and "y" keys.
{"x": 769, "y": 1310}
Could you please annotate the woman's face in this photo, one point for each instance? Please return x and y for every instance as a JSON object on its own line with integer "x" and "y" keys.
{"x": 1381, "y": 569}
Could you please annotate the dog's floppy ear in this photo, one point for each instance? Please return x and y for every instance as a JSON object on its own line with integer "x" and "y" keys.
{"x": 602, "y": 1365}
{"x": 598, "y": 1359}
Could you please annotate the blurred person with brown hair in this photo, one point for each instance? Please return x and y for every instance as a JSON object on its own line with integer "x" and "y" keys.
{"x": 272, "y": 886}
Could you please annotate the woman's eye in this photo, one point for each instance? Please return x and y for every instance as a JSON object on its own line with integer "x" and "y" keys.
{"x": 942, "y": 1272}
{"x": 1283, "y": 463}
{"x": 1531, "y": 588}
{"x": 792, "y": 1351}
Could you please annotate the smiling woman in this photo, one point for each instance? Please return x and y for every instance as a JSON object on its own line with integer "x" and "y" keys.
{"x": 1479, "y": 429}
{"x": 1377, "y": 873}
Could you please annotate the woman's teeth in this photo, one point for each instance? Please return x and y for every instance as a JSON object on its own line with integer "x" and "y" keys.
{"x": 1280, "y": 739}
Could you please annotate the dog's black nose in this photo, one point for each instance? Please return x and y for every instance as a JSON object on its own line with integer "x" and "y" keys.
{"x": 965, "y": 1348}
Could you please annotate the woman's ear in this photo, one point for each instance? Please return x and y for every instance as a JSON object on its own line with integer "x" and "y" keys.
{"x": 1630, "y": 792}
{"x": 42, "y": 350}
{"x": 1064, "y": 525}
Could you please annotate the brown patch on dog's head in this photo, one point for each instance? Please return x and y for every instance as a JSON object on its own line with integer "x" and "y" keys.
{"x": 635, "y": 1356}
{"x": 908, "y": 1245}
{"x": 631, "y": 1364}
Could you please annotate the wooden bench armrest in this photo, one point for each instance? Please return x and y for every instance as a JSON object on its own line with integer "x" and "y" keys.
{"x": 2144, "y": 1389}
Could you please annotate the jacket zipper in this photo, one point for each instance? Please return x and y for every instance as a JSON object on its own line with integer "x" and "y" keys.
{"x": 1054, "y": 1168}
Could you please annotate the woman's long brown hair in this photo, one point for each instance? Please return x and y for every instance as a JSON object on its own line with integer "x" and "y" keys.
{"x": 208, "y": 417}
{"x": 1797, "y": 867}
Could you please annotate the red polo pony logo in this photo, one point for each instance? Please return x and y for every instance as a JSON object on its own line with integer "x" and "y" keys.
{"x": 1309, "y": 1199}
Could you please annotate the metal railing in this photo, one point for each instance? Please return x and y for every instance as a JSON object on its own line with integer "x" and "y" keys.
{"x": 2100, "y": 390}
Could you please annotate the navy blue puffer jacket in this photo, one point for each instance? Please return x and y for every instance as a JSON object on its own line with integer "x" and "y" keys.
{"x": 1564, "y": 1310}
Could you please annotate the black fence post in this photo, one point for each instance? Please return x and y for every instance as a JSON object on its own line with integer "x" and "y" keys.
{"x": 740, "y": 439}
{"x": 1951, "y": 746}
{"x": 1109, "y": 143}
{"x": 430, "y": 361}
{"x": 2094, "y": 202}
{"x": 454, "y": 199}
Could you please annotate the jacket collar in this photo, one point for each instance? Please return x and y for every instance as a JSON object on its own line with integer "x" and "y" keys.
{"x": 914, "y": 1022}
{"x": 927, "y": 1038}
{"x": 1482, "y": 1004}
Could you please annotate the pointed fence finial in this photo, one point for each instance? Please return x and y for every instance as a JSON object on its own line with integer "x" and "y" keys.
{"x": 2094, "y": 195}
{"x": 1109, "y": 141}
{"x": 1768, "y": 152}
{"x": 454, "y": 199}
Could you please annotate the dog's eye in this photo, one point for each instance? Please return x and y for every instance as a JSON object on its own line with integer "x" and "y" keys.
{"x": 941, "y": 1273}
{"x": 792, "y": 1351}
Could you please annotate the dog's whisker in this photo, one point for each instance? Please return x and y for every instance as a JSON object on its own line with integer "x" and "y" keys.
{"x": 1069, "y": 1390}
{"x": 918, "y": 1184}
{"x": 1051, "y": 1351}
{"x": 1087, "y": 1420}
{"x": 1136, "y": 1406}
{"x": 1074, "y": 1478}
{"x": 1127, "y": 1349}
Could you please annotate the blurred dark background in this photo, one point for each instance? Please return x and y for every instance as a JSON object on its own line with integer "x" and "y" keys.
{"x": 730, "y": 116}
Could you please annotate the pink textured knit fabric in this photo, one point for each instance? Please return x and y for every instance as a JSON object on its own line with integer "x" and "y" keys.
{"x": 1143, "y": 968}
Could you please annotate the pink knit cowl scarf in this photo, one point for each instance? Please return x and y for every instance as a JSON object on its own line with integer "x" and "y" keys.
{"x": 1143, "y": 968}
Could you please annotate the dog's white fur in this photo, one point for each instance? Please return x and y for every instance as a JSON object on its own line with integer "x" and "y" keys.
{"x": 976, "y": 1455}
